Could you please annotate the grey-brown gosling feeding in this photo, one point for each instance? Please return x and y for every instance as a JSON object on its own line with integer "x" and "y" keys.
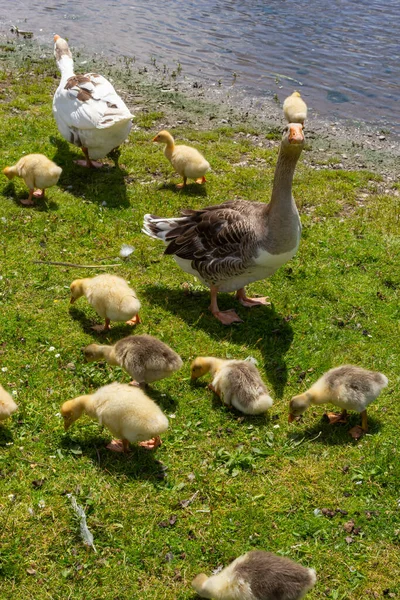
{"x": 126, "y": 411}
{"x": 110, "y": 296}
{"x": 144, "y": 357}
{"x": 257, "y": 575}
{"x": 7, "y": 405}
{"x": 349, "y": 387}
{"x": 236, "y": 382}
{"x": 295, "y": 109}
{"x": 38, "y": 172}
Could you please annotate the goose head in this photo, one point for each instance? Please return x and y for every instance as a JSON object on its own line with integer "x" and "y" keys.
{"x": 293, "y": 135}
{"x": 77, "y": 290}
{"x": 61, "y": 48}
{"x": 164, "y": 137}
{"x": 298, "y": 405}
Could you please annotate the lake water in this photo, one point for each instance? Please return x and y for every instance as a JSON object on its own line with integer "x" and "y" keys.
{"x": 344, "y": 55}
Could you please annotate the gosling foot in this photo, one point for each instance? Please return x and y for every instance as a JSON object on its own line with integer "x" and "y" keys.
{"x": 201, "y": 180}
{"x": 337, "y": 418}
{"x": 134, "y": 321}
{"x": 356, "y": 432}
{"x": 151, "y": 444}
{"x": 118, "y": 446}
{"x": 101, "y": 328}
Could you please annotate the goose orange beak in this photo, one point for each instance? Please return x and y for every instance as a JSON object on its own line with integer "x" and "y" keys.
{"x": 296, "y": 135}
{"x": 154, "y": 138}
{"x": 291, "y": 418}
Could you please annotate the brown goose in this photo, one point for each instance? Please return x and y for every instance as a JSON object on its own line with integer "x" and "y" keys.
{"x": 232, "y": 244}
{"x": 88, "y": 111}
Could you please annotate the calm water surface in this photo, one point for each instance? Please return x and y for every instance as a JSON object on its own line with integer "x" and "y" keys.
{"x": 344, "y": 55}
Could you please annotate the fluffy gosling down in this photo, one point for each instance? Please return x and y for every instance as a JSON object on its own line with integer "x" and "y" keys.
{"x": 110, "y": 296}
{"x": 187, "y": 161}
{"x": 236, "y": 382}
{"x": 7, "y": 405}
{"x": 295, "y": 109}
{"x": 257, "y": 575}
{"x": 144, "y": 357}
{"x": 349, "y": 387}
{"x": 38, "y": 172}
{"x": 126, "y": 411}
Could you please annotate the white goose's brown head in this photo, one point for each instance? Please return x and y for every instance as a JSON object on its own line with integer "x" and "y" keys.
{"x": 61, "y": 48}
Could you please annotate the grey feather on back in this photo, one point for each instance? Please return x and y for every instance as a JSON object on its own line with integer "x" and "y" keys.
{"x": 355, "y": 379}
{"x": 273, "y": 577}
{"x": 245, "y": 382}
{"x": 221, "y": 241}
{"x": 140, "y": 353}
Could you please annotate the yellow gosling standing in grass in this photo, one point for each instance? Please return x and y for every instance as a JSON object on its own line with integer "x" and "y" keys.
{"x": 295, "y": 109}
{"x": 257, "y": 575}
{"x": 126, "y": 411}
{"x": 236, "y": 382}
{"x": 110, "y": 296}
{"x": 349, "y": 387}
{"x": 144, "y": 357}
{"x": 7, "y": 405}
{"x": 38, "y": 172}
{"x": 187, "y": 161}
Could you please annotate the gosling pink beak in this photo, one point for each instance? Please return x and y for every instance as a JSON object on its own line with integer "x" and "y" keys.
{"x": 72, "y": 300}
{"x": 291, "y": 418}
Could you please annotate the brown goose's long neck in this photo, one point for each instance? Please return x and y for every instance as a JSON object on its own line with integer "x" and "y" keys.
{"x": 281, "y": 198}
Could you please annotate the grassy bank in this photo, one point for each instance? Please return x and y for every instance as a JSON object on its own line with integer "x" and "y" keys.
{"x": 253, "y": 482}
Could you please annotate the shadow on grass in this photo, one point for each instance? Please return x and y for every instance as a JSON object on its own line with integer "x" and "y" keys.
{"x": 5, "y": 435}
{"x": 332, "y": 435}
{"x": 41, "y": 204}
{"x": 97, "y": 185}
{"x": 191, "y": 189}
{"x": 232, "y": 414}
{"x": 137, "y": 464}
{"x": 263, "y": 327}
{"x": 117, "y": 331}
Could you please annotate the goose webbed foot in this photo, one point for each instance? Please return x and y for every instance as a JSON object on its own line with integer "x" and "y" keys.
{"x": 88, "y": 163}
{"x": 118, "y": 446}
{"x": 250, "y": 302}
{"x": 151, "y": 444}
{"x": 337, "y": 418}
{"x": 201, "y": 180}
{"x": 227, "y": 317}
{"x": 134, "y": 321}
{"x": 102, "y": 328}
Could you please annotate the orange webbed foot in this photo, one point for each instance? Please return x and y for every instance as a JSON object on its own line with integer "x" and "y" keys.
{"x": 151, "y": 444}
{"x": 118, "y": 446}
{"x": 134, "y": 321}
{"x": 336, "y": 418}
{"x": 227, "y": 317}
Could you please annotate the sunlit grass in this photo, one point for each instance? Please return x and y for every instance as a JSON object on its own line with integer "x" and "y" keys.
{"x": 254, "y": 482}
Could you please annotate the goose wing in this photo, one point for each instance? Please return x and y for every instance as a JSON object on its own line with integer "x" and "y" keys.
{"x": 90, "y": 101}
{"x": 220, "y": 241}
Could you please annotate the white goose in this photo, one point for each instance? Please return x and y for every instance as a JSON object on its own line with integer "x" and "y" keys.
{"x": 88, "y": 111}
{"x": 232, "y": 244}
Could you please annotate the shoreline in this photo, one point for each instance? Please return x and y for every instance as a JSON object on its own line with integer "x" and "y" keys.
{"x": 338, "y": 144}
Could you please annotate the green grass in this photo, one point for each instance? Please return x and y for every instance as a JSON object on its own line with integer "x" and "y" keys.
{"x": 258, "y": 480}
